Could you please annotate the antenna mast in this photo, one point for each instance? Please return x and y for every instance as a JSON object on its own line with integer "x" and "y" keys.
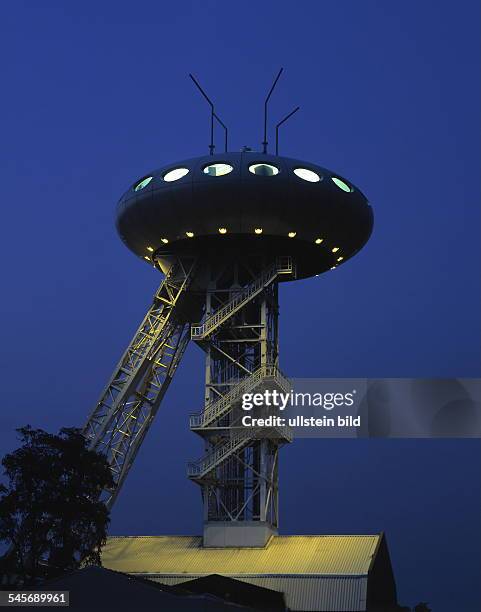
{"x": 279, "y": 125}
{"x": 264, "y": 143}
{"x": 213, "y": 116}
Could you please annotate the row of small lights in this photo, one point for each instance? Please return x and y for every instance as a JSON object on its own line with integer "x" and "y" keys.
{"x": 258, "y": 169}
{"x": 265, "y": 169}
{"x": 258, "y": 231}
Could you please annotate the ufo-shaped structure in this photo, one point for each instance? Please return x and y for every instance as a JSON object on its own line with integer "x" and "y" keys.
{"x": 265, "y": 204}
{"x": 225, "y": 230}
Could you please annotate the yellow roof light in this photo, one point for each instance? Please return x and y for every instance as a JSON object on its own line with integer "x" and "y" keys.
{"x": 258, "y": 230}
{"x": 318, "y": 240}
{"x": 164, "y": 240}
{"x": 149, "y": 248}
{"x": 189, "y": 234}
{"x": 292, "y": 234}
{"x": 222, "y": 230}
{"x": 340, "y": 258}
{"x": 335, "y": 249}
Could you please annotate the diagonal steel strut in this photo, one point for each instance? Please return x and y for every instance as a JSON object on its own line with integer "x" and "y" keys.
{"x": 128, "y": 404}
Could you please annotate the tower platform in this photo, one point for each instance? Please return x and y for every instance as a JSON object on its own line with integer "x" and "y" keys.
{"x": 314, "y": 572}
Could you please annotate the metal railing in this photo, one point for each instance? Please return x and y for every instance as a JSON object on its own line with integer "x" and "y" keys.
{"x": 201, "y": 467}
{"x": 220, "y": 406}
{"x": 283, "y": 265}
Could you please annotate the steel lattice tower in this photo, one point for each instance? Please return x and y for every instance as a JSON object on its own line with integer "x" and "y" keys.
{"x": 224, "y": 230}
{"x": 239, "y": 472}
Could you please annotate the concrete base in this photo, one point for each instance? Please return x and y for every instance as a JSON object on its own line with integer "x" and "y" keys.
{"x": 227, "y": 534}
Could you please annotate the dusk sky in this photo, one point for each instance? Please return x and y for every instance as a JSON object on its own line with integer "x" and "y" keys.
{"x": 97, "y": 94}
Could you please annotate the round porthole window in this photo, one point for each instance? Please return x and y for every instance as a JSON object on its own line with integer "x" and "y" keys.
{"x": 263, "y": 169}
{"x": 341, "y": 184}
{"x": 143, "y": 183}
{"x": 175, "y": 174}
{"x": 307, "y": 175}
{"x": 218, "y": 169}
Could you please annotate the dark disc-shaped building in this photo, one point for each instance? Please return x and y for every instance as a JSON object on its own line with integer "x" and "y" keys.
{"x": 249, "y": 202}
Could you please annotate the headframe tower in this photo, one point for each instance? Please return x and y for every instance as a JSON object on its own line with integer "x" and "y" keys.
{"x": 224, "y": 229}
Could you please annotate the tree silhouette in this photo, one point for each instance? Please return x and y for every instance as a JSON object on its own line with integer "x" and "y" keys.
{"x": 50, "y": 512}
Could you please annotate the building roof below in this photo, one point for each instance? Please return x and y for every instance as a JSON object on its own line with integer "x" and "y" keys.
{"x": 329, "y": 555}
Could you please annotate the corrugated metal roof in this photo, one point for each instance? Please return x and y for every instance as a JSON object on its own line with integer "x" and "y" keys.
{"x": 314, "y": 572}
{"x": 291, "y": 555}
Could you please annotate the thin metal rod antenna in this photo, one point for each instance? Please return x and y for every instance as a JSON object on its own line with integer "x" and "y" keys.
{"x": 213, "y": 116}
{"x": 225, "y": 131}
{"x": 264, "y": 143}
{"x": 211, "y": 104}
{"x": 280, "y": 123}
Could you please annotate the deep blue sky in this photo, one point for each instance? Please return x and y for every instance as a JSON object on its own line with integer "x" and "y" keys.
{"x": 96, "y": 94}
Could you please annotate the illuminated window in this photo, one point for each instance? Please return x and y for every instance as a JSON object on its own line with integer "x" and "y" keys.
{"x": 292, "y": 234}
{"x": 307, "y": 175}
{"x": 175, "y": 175}
{"x": 318, "y": 240}
{"x": 149, "y": 248}
{"x": 218, "y": 169}
{"x": 340, "y": 258}
{"x": 263, "y": 169}
{"x": 189, "y": 234}
{"x": 164, "y": 240}
{"x": 335, "y": 249}
{"x": 222, "y": 230}
{"x": 143, "y": 183}
{"x": 341, "y": 184}
{"x": 258, "y": 230}
{"x": 147, "y": 258}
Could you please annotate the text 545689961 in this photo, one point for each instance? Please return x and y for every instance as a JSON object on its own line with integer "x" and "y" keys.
{"x": 34, "y": 598}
